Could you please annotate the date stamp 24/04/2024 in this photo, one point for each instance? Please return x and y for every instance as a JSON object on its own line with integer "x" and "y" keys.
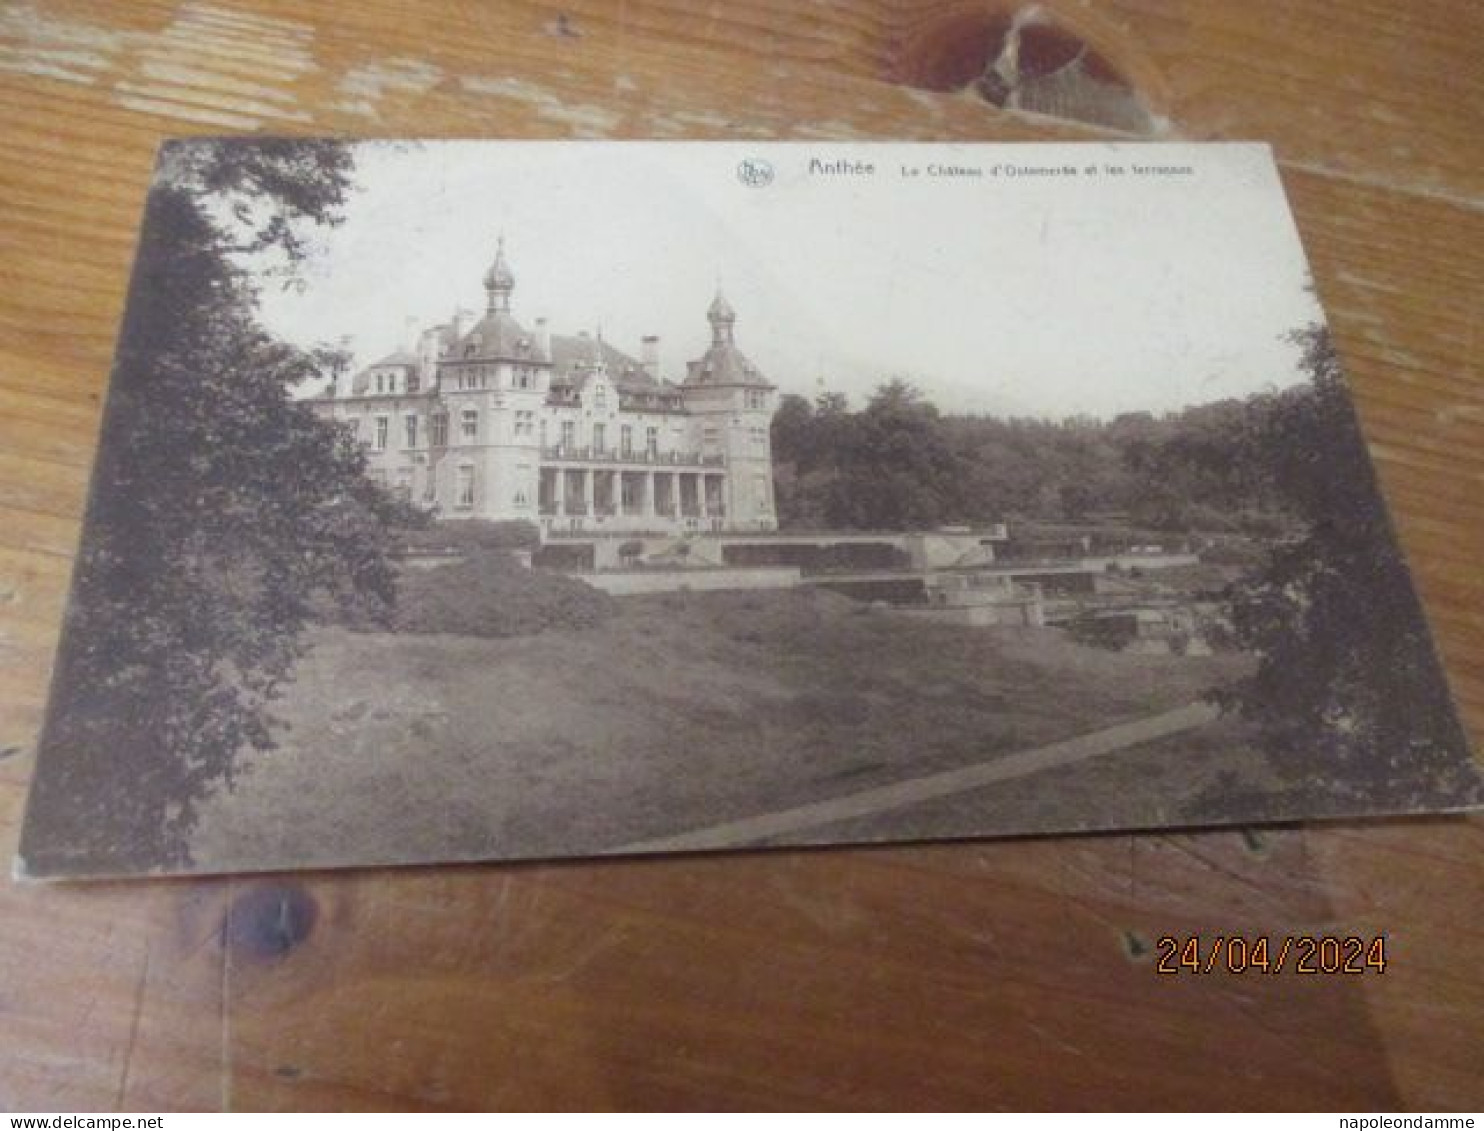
{"x": 1268, "y": 954}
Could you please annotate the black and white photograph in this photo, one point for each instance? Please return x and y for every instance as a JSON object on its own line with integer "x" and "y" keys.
{"x": 469, "y": 501}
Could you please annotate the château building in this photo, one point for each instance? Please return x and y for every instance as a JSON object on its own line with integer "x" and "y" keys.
{"x": 491, "y": 420}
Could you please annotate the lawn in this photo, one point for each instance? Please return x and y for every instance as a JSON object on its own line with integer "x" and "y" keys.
{"x": 680, "y": 711}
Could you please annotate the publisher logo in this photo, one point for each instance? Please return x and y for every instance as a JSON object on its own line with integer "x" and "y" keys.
{"x": 755, "y": 172}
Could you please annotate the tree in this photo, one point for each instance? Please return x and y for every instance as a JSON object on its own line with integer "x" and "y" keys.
{"x": 793, "y": 431}
{"x": 222, "y": 510}
{"x": 1347, "y": 678}
{"x": 900, "y": 463}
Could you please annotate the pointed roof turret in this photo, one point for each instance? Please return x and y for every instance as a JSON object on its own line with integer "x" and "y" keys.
{"x": 724, "y": 363}
{"x": 499, "y": 281}
{"x": 497, "y": 334}
{"x": 722, "y": 318}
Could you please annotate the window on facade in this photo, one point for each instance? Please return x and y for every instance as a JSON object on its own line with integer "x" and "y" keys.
{"x": 599, "y": 437}
{"x": 439, "y": 427}
{"x": 757, "y": 399}
{"x": 464, "y": 495}
{"x": 626, "y": 438}
{"x": 409, "y": 423}
{"x": 469, "y": 424}
{"x": 522, "y": 478}
{"x": 569, "y": 433}
{"x": 652, "y": 441}
{"x": 600, "y": 398}
{"x": 413, "y": 382}
{"x": 760, "y": 486}
{"x": 522, "y": 378}
{"x": 381, "y": 429}
{"x": 525, "y": 422}
{"x": 430, "y": 487}
{"x": 709, "y": 435}
{"x": 543, "y": 434}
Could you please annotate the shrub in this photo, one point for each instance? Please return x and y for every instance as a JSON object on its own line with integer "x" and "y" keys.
{"x": 490, "y": 594}
{"x": 468, "y": 535}
{"x": 566, "y": 556}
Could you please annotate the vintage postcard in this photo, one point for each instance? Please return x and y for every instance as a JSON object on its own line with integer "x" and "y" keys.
{"x": 493, "y": 501}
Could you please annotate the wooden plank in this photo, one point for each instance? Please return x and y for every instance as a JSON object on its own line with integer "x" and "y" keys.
{"x": 1004, "y": 975}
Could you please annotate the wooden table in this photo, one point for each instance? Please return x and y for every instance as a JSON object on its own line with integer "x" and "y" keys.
{"x": 1000, "y": 974}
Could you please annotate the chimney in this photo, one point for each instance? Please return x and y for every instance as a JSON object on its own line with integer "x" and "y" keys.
{"x": 543, "y": 338}
{"x": 342, "y": 386}
{"x": 649, "y": 355}
{"x": 427, "y": 356}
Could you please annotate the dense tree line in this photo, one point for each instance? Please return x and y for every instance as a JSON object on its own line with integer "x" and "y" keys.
{"x": 1348, "y": 687}
{"x": 222, "y": 512}
{"x": 900, "y": 463}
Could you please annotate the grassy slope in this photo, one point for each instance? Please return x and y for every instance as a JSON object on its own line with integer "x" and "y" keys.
{"x": 684, "y": 710}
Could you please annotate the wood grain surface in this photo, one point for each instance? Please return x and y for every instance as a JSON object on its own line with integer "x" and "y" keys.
{"x": 988, "y": 975}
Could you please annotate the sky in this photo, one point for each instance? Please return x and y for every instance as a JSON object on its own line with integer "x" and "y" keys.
{"x": 1018, "y": 291}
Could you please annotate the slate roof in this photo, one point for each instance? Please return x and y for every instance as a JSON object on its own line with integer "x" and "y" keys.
{"x": 497, "y": 334}
{"x": 361, "y": 382}
{"x": 725, "y": 364}
{"x": 572, "y": 357}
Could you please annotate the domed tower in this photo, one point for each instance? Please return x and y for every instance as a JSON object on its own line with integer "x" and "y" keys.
{"x": 733, "y": 404}
{"x": 723, "y": 319}
{"x": 499, "y": 281}
{"x": 492, "y": 383}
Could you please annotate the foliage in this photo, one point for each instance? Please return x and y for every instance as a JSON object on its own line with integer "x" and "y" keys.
{"x": 1347, "y": 677}
{"x": 468, "y": 534}
{"x": 221, "y": 509}
{"x": 901, "y": 464}
{"x": 490, "y": 594}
